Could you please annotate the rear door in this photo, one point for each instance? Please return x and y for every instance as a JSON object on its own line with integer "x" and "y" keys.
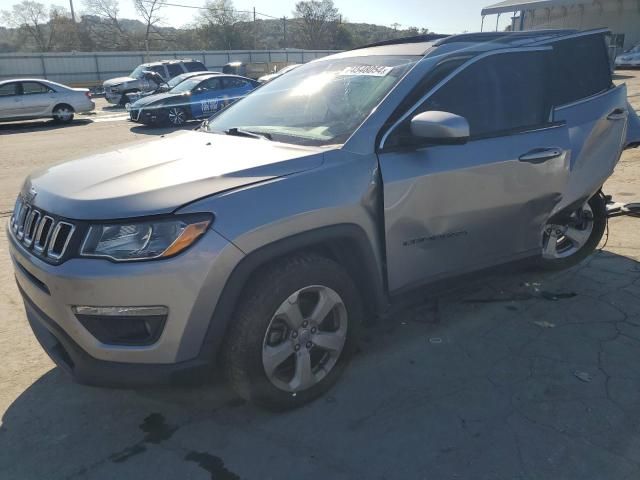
{"x": 595, "y": 110}
{"x": 174, "y": 69}
{"x": 450, "y": 209}
{"x": 37, "y": 99}
{"x": 10, "y": 100}
{"x": 234, "y": 89}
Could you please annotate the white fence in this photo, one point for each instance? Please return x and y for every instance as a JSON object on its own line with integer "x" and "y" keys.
{"x": 91, "y": 68}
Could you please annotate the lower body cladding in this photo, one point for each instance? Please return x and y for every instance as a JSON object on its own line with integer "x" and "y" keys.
{"x": 128, "y": 324}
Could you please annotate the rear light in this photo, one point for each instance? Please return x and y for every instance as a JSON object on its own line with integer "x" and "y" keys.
{"x": 88, "y": 94}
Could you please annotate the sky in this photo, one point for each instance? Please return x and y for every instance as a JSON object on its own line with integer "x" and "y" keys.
{"x": 441, "y": 16}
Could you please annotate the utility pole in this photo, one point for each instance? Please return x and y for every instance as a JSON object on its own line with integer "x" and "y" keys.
{"x": 255, "y": 29}
{"x": 73, "y": 13}
{"x": 284, "y": 31}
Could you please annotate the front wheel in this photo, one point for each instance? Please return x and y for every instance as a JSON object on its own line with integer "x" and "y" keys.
{"x": 567, "y": 243}
{"x": 293, "y": 332}
{"x": 176, "y": 116}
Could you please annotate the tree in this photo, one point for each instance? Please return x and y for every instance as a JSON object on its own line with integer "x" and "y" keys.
{"x": 317, "y": 22}
{"x": 31, "y": 19}
{"x": 149, "y": 11}
{"x": 223, "y": 26}
{"x": 104, "y": 26}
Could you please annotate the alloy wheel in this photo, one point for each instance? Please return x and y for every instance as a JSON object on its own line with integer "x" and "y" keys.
{"x": 305, "y": 338}
{"x": 63, "y": 114}
{"x": 177, "y": 116}
{"x": 562, "y": 241}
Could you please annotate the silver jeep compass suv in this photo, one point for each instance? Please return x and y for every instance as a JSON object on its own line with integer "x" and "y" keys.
{"x": 262, "y": 241}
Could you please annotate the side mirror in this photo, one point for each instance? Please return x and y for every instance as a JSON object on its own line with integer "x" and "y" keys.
{"x": 440, "y": 127}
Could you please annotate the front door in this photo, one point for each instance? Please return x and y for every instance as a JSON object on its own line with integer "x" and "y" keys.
{"x": 206, "y": 98}
{"x": 450, "y": 209}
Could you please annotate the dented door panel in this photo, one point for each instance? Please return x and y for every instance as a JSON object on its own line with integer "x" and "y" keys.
{"x": 597, "y": 133}
{"x": 455, "y": 208}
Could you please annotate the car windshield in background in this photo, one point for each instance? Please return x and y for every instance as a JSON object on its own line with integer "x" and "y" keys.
{"x": 175, "y": 81}
{"x": 137, "y": 72}
{"x": 187, "y": 85}
{"x": 320, "y": 103}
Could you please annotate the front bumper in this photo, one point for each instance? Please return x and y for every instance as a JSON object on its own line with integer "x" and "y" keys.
{"x": 147, "y": 116}
{"x": 85, "y": 369}
{"x": 189, "y": 285}
{"x": 112, "y": 97}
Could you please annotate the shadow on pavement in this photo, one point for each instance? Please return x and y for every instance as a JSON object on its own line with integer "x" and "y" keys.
{"x": 40, "y": 125}
{"x": 523, "y": 375}
{"x": 162, "y": 130}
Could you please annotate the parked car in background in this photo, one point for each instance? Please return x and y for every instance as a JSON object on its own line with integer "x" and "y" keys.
{"x": 279, "y": 73}
{"x": 629, "y": 59}
{"x": 30, "y": 98}
{"x": 166, "y": 86}
{"x": 195, "y": 98}
{"x": 116, "y": 89}
{"x": 262, "y": 241}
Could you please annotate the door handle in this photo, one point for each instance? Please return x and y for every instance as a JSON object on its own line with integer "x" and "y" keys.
{"x": 618, "y": 114}
{"x": 540, "y": 155}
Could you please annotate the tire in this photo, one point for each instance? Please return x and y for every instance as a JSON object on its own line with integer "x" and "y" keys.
{"x": 589, "y": 232}
{"x": 63, "y": 114}
{"x": 264, "y": 323}
{"x": 124, "y": 99}
{"x": 176, "y": 116}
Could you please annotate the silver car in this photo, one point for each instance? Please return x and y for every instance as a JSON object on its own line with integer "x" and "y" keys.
{"x": 629, "y": 59}
{"x": 30, "y": 98}
{"x": 263, "y": 241}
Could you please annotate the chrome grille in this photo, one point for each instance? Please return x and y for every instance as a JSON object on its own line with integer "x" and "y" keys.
{"x": 33, "y": 228}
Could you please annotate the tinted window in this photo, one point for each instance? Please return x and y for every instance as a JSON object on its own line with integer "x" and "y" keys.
{"x": 195, "y": 67}
{"x": 158, "y": 69}
{"x": 500, "y": 93}
{"x": 210, "y": 84}
{"x": 233, "y": 83}
{"x": 34, "y": 87}
{"x": 8, "y": 89}
{"x": 580, "y": 68}
{"x": 174, "y": 69}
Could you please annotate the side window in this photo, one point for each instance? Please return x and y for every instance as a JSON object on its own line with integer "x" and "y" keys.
{"x": 9, "y": 89}
{"x": 233, "y": 83}
{"x": 210, "y": 84}
{"x": 497, "y": 94}
{"x": 580, "y": 68}
{"x": 159, "y": 69}
{"x": 30, "y": 88}
{"x": 174, "y": 69}
{"x": 195, "y": 67}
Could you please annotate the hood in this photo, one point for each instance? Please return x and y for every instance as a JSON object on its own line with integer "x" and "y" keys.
{"x": 147, "y": 100}
{"x": 116, "y": 81}
{"x": 160, "y": 176}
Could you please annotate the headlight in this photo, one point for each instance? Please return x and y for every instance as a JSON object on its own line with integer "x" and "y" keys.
{"x": 144, "y": 240}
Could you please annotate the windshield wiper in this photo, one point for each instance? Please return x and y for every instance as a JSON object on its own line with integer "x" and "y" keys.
{"x": 239, "y": 132}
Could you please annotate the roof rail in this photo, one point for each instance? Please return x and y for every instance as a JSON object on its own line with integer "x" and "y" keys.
{"x": 429, "y": 37}
{"x": 505, "y": 36}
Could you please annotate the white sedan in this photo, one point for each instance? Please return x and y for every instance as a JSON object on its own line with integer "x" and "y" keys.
{"x": 630, "y": 58}
{"x": 29, "y": 98}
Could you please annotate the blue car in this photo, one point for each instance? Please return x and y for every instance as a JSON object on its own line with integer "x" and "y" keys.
{"x": 195, "y": 98}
